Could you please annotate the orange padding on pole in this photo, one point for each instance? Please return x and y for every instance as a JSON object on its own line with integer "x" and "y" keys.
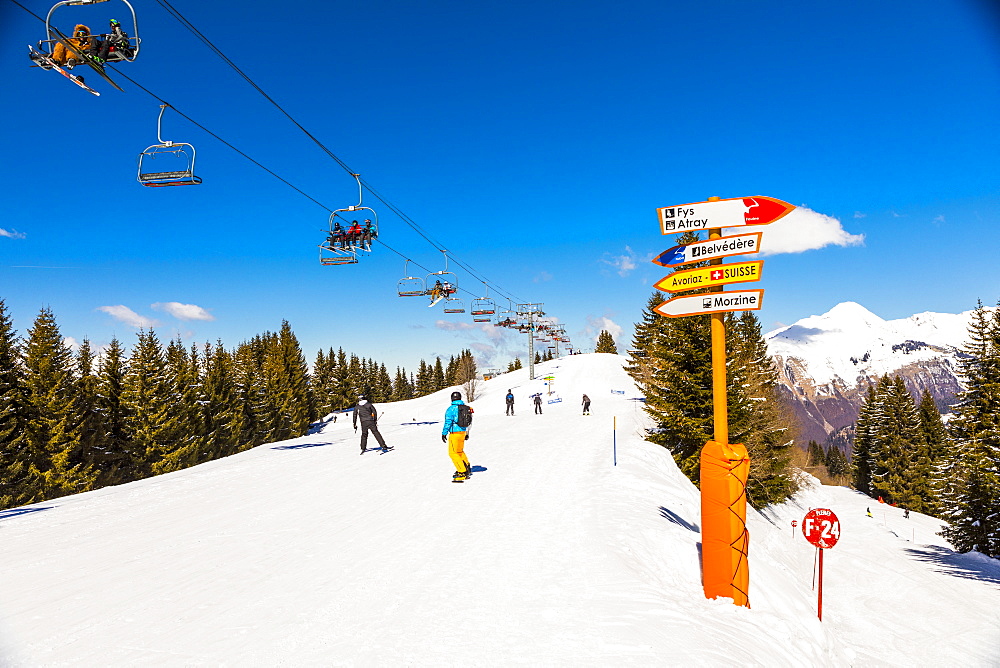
{"x": 725, "y": 541}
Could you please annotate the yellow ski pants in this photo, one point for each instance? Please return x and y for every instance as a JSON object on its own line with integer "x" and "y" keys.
{"x": 456, "y": 450}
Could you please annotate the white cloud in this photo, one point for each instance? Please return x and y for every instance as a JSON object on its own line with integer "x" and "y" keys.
{"x": 183, "y": 311}
{"x": 128, "y": 316}
{"x": 595, "y": 325}
{"x": 623, "y": 264}
{"x": 542, "y": 277}
{"x": 858, "y": 214}
{"x": 801, "y": 230}
{"x": 938, "y": 219}
{"x": 71, "y": 343}
{"x": 13, "y": 234}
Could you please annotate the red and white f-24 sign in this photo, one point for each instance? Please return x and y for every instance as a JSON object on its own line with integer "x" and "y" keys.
{"x": 821, "y": 527}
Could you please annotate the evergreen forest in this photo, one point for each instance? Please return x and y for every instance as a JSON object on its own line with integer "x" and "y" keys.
{"x": 73, "y": 421}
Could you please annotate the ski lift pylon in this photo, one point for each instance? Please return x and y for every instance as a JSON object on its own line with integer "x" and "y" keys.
{"x": 181, "y": 151}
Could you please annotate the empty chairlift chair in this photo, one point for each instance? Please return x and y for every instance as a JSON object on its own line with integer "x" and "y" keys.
{"x": 179, "y": 157}
{"x": 410, "y": 286}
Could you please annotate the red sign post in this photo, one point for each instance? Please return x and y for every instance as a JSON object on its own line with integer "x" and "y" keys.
{"x": 821, "y": 527}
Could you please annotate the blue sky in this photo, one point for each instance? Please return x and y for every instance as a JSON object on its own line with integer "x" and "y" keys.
{"x": 533, "y": 140}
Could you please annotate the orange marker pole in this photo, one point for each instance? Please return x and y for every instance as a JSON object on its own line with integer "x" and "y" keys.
{"x": 724, "y": 471}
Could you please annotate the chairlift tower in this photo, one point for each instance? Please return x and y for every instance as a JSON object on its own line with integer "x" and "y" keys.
{"x": 530, "y": 311}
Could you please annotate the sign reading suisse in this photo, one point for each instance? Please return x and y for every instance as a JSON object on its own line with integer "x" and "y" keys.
{"x": 709, "y": 277}
{"x": 699, "y": 251}
{"x": 735, "y": 212}
{"x": 821, "y": 527}
{"x": 712, "y": 302}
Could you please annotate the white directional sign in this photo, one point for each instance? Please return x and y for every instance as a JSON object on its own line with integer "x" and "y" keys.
{"x": 735, "y": 212}
{"x": 711, "y": 302}
{"x": 699, "y": 251}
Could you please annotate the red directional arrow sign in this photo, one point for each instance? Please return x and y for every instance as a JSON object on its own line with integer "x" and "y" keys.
{"x": 735, "y": 212}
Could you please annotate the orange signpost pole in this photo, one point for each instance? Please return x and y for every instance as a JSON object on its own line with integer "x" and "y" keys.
{"x": 725, "y": 541}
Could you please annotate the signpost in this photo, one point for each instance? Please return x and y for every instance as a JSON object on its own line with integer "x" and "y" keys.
{"x": 724, "y": 466}
{"x": 821, "y": 527}
{"x": 710, "y": 277}
{"x": 710, "y": 249}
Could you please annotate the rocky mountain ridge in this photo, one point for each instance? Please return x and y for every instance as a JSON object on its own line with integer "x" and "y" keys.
{"x": 827, "y": 362}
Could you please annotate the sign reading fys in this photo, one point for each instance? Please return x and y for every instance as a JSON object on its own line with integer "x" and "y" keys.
{"x": 735, "y": 212}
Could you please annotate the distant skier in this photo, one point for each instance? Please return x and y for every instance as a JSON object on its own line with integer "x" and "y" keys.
{"x": 455, "y": 433}
{"x": 868, "y": 512}
{"x": 586, "y": 405}
{"x": 510, "y": 402}
{"x": 369, "y": 422}
{"x": 906, "y": 513}
{"x": 538, "y": 404}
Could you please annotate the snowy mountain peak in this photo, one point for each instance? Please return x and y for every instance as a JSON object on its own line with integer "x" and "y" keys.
{"x": 827, "y": 361}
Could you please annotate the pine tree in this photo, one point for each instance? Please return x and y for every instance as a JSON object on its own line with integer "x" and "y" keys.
{"x": 864, "y": 430}
{"x": 222, "y": 412}
{"x": 56, "y": 462}
{"x": 836, "y": 462}
{"x": 16, "y": 481}
{"x": 758, "y": 417}
{"x": 401, "y": 388}
{"x": 425, "y": 379}
{"x": 147, "y": 402}
{"x": 606, "y": 343}
{"x": 672, "y": 365}
{"x": 183, "y": 432}
{"x": 671, "y": 362}
{"x": 252, "y": 388}
{"x": 114, "y": 458}
{"x": 969, "y": 480}
{"x": 88, "y": 428}
{"x": 438, "y": 378}
{"x": 900, "y": 468}
{"x": 816, "y": 454}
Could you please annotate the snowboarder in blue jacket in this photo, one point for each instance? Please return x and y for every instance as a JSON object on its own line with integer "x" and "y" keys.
{"x": 455, "y": 436}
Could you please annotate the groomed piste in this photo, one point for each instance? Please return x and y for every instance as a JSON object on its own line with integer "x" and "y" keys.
{"x": 303, "y": 553}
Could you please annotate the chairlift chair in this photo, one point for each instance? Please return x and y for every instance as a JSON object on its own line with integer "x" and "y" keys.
{"x": 355, "y": 242}
{"x": 445, "y": 276}
{"x": 53, "y": 36}
{"x": 454, "y": 305}
{"x": 410, "y": 286}
{"x": 183, "y": 155}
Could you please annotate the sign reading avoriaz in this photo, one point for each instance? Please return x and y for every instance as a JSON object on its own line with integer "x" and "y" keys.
{"x": 735, "y": 212}
{"x": 711, "y": 276}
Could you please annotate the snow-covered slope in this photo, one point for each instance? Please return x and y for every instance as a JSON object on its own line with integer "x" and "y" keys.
{"x": 304, "y": 553}
{"x": 826, "y": 362}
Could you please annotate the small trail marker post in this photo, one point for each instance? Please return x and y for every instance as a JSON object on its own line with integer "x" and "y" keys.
{"x": 725, "y": 466}
{"x": 821, "y": 527}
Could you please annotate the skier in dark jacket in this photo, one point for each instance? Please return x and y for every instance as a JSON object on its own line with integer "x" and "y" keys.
{"x": 538, "y": 404}
{"x": 586, "y": 405}
{"x": 369, "y": 422}
{"x": 455, "y": 436}
{"x": 115, "y": 46}
{"x": 510, "y": 403}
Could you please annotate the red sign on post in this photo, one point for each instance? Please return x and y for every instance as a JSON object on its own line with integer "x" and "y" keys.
{"x": 821, "y": 527}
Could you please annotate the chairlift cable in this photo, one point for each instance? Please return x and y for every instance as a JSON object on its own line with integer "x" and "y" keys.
{"x": 405, "y": 218}
{"x": 402, "y": 215}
